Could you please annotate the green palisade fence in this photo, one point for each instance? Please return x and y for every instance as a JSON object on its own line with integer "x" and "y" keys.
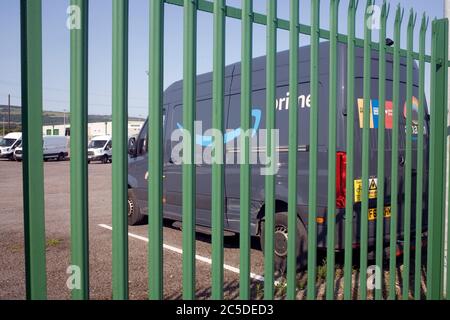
{"x": 424, "y": 169}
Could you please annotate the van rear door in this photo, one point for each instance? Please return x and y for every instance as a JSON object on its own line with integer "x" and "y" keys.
{"x": 374, "y": 125}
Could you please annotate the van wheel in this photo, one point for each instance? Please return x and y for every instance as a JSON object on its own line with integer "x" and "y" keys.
{"x": 105, "y": 159}
{"x": 134, "y": 212}
{"x": 281, "y": 243}
{"x": 61, "y": 157}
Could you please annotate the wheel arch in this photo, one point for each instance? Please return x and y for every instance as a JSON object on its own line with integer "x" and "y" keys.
{"x": 280, "y": 206}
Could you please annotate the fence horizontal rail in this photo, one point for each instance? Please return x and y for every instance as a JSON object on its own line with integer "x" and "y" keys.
{"x": 261, "y": 19}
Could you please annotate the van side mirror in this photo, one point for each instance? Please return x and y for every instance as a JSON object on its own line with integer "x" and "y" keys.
{"x": 132, "y": 150}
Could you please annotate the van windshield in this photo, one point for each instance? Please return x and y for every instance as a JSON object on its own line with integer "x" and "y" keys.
{"x": 7, "y": 142}
{"x": 97, "y": 144}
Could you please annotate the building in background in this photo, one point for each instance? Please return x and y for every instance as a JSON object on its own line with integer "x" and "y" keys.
{"x": 94, "y": 129}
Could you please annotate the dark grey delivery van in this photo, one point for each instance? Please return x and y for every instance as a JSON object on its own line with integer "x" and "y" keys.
{"x": 173, "y": 110}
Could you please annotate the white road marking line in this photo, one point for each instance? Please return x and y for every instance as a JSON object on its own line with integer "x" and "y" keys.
{"x": 199, "y": 258}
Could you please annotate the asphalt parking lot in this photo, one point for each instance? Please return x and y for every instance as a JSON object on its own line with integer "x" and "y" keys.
{"x": 57, "y": 216}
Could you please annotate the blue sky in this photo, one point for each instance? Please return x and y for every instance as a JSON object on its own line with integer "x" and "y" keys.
{"x": 56, "y": 46}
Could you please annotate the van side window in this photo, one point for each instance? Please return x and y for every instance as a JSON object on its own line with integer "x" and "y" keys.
{"x": 109, "y": 145}
{"x": 142, "y": 140}
{"x": 142, "y": 145}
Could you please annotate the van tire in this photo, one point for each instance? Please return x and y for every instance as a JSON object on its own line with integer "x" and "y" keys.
{"x": 61, "y": 157}
{"x": 280, "y": 255}
{"x": 133, "y": 211}
{"x": 105, "y": 159}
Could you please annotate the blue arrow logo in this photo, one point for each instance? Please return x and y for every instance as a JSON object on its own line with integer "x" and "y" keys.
{"x": 207, "y": 141}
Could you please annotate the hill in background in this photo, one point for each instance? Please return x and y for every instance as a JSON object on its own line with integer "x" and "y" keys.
{"x": 48, "y": 117}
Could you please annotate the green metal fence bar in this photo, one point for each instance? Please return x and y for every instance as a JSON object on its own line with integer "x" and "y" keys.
{"x": 394, "y": 160}
{"x": 25, "y": 170}
{"x": 332, "y": 130}
{"x": 78, "y": 145}
{"x": 33, "y": 173}
{"x": 260, "y": 19}
{"x": 218, "y": 173}
{"x": 381, "y": 149}
{"x": 246, "y": 104}
{"x": 293, "y": 151}
{"x": 365, "y": 152}
{"x": 269, "y": 214}
{"x": 314, "y": 119}
{"x": 155, "y": 141}
{"x": 447, "y": 292}
{"x": 189, "y": 114}
{"x": 438, "y": 114}
{"x": 348, "y": 263}
{"x": 408, "y": 157}
{"x": 120, "y": 158}
{"x": 420, "y": 161}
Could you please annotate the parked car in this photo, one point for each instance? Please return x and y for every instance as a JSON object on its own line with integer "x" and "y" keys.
{"x": 172, "y": 187}
{"x": 100, "y": 149}
{"x": 9, "y": 143}
{"x": 54, "y": 147}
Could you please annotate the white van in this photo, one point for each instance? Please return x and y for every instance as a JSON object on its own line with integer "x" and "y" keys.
{"x": 100, "y": 149}
{"x": 9, "y": 143}
{"x": 54, "y": 147}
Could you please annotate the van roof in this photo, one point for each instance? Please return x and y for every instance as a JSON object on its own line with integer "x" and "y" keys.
{"x": 13, "y": 135}
{"x": 204, "y": 81}
{"x": 101, "y": 138}
{"x": 54, "y": 137}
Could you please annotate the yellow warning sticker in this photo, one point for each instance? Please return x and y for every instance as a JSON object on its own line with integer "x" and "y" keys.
{"x": 373, "y": 213}
{"x": 373, "y": 187}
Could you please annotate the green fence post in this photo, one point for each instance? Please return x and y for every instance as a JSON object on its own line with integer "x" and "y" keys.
{"x": 33, "y": 173}
{"x": 120, "y": 159}
{"x": 332, "y": 131}
{"x": 365, "y": 151}
{"x": 246, "y": 105}
{"x": 155, "y": 162}
{"x": 293, "y": 151}
{"x": 420, "y": 162}
{"x": 218, "y": 177}
{"x": 78, "y": 145}
{"x": 394, "y": 173}
{"x": 408, "y": 157}
{"x": 269, "y": 214}
{"x": 348, "y": 263}
{"x": 438, "y": 138}
{"x": 189, "y": 107}
{"x": 312, "y": 201}
{"x": 381, "y": 149}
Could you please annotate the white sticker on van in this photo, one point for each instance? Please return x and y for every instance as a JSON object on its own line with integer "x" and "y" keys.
{"x": 304, "y": 101}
